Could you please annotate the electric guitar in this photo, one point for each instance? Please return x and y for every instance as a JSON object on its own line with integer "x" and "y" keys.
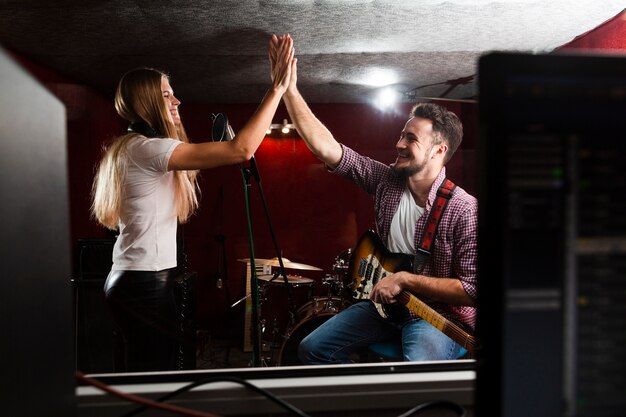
{"x": 371, "y": 261}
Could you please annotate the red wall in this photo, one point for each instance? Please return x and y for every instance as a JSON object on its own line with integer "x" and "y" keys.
{"x": 315, "y": 215}
{"x": 608, "y": 36}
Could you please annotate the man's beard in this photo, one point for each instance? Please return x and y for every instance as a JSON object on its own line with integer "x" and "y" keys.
{"x": 409, "y": 170}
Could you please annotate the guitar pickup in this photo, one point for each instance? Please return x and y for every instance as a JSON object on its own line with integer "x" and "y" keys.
{"x": 368, "y": 272}
{"x": 362, "y": 266}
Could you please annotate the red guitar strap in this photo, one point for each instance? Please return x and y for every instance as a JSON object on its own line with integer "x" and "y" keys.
{"x": 423, "y": 251}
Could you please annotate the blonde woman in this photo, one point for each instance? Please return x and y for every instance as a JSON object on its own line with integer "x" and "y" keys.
{"x": 146, "y": 184}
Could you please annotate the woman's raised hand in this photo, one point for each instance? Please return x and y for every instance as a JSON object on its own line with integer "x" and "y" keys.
{"x": 281, "y": 55}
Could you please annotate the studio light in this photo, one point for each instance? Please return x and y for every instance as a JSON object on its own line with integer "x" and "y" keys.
{"x": 281, "y": 129}
{"x": 387, "y": 98}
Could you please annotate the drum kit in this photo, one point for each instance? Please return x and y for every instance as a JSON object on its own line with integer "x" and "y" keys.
{"x": 281, "y": 330}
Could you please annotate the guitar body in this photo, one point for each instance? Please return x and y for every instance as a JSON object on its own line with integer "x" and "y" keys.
{"x": 371, "y": 262}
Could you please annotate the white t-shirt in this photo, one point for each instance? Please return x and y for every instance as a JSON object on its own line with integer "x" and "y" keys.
{"x": 147, "y": 229}
{"x": 402, "y": 230}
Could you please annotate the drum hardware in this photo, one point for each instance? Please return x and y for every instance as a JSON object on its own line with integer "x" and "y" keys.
{"x": 313, "y": 314}
{"x": 329, "y": 306}
{"x": 263, "y": 329}
{"x": 320, "y": 309}
{"x": 286, "y": 262}
{"x": 334, "y": 284}
{"x": 272, "y": 306}
{"x": 342, "y": 261}
{"x": 268, "y": 344}
{"x": 340, "y": 268}
{"x": 308, "y": 317}
{"x": 276, "y": 279}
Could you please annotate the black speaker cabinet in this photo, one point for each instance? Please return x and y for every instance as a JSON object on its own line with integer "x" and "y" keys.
{"x": 95, "y": 342}
{"x": 98, "y": 348}
{"x": 95, "y": 258}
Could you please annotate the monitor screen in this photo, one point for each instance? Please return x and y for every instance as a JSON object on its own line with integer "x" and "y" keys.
{"x": 552, "y": 237}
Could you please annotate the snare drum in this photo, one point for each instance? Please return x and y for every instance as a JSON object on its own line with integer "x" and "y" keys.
{"x": 312, "y": 315}
{"x": 293, "y": 280}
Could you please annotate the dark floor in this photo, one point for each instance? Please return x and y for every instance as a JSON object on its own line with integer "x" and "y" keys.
{"x": 281, "y": 332}
{"x": 278, "y": 348}
{"x": 230, "y": 353}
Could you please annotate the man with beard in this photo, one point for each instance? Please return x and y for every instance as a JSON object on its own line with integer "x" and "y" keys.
{"x": 404, "y": 193}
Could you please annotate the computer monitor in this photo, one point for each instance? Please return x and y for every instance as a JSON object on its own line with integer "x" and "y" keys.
{"x": 36, "y": 344}
{"x": 552, "y": 235}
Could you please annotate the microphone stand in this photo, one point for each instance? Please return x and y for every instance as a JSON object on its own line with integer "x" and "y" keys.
{"x": 253, "y": 172}
{"x": 221, "y": 129}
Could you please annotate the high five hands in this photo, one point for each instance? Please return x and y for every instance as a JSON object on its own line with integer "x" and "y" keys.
{"x": 281, "y": 53}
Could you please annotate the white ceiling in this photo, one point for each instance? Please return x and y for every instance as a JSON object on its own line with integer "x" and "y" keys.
{"x": 216, "y": 50}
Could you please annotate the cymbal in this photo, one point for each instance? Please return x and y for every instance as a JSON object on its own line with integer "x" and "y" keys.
{"x": 286, "y": 262}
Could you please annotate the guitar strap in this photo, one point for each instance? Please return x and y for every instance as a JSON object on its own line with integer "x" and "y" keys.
{"x": 423, "y": 251}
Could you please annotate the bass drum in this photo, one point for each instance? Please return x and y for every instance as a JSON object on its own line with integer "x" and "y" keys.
{"x": 312, "y": 315}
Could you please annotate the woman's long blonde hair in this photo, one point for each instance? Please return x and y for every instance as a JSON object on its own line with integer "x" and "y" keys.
{"x": 139, "y": 99}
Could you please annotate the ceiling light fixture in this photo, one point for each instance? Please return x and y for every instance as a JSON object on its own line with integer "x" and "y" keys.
{"x": 379, "y": 77}
{"x": 387, "y": 98}
{"x": 280, "y": 129}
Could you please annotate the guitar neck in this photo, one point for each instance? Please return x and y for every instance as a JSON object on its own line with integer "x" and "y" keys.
{"x": 444, "y": 325}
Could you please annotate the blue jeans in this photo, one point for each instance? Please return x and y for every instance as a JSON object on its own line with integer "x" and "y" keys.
{"x": 360, "y": 325}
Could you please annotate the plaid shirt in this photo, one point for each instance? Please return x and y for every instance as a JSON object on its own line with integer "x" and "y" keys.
{"x": 454, "y": 251}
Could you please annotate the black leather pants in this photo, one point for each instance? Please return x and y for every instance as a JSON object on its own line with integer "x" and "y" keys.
{"x": 143, "y": 307}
